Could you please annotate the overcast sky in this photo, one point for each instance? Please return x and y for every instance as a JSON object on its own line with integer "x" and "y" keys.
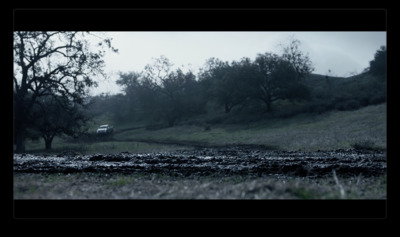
{"x": 344, "y": 53}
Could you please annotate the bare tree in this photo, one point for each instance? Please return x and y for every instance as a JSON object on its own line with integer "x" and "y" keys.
{"x": 52, "y": 64}
{"x": 269, "y": 87}
{"x": 299, "y": 60}
{"x": 282, "y": 76}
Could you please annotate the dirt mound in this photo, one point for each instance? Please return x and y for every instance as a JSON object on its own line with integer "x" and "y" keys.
{"x": 238, "y": 160}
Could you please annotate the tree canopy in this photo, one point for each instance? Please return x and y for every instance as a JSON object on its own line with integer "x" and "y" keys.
{"x": 377, "y": 66}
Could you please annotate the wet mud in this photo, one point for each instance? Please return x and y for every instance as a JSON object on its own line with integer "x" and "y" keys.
{"x": 254, "y": 161}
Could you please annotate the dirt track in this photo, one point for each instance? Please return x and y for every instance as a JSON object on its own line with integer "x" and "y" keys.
{"x": 238, "y": 160}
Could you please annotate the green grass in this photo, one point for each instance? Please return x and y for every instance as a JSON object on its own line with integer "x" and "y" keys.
{"x": 122, "y": 180}
{"x": 331, "y": 130}
{"x": 306, "y": 132}
{"x": 60, "y": 145}
{"x": 158, "y": 186}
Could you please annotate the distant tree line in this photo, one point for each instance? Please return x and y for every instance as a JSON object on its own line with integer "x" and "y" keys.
{"x": 163, "y": 97}
{"x": 335, "y": 93}
{"x": 159, "y": 94}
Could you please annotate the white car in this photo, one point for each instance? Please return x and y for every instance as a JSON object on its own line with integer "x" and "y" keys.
{"x": 105, "y": 129}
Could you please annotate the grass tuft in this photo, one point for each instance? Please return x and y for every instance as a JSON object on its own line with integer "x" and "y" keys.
{"x": 364, "y": 145}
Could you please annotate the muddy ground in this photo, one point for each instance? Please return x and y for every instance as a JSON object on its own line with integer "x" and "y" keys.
{"x": 229, "y": 172}
{"x": 211, "y": 161}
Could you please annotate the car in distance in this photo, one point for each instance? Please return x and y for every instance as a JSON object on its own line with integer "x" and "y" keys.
{"x": 105, "y": 129}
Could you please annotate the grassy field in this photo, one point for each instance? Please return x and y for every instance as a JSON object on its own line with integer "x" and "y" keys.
{"x": 331, "y": 130}
{"x": 60, "y": 145}
{"x": 306, "y": 132}
{"x": 159, "y": 186}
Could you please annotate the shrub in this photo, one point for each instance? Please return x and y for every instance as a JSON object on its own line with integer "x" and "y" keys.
{"x": 377, "y": 99}
{"x": 216, "y": 120}
{"x": 352, "y": 104}
{"x": 155, "y": 126}
{"x": 364, "y": 145}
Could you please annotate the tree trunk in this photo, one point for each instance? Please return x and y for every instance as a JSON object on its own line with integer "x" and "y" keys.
{"x": 268, "y": 106}
{"x": 227, "y": 108}
{"x": 20, "y": 141}
{"x": 48, "y": 142}
{"x": 19, "y": 124}
{"x": 267, "y": 103}
{"x": 170, "y": 119}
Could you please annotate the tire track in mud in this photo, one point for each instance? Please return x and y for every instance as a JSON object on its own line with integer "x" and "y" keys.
{"x": 238, "y": 160}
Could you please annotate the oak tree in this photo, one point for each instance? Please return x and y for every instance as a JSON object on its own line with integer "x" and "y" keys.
{"x": 53, "y": 64}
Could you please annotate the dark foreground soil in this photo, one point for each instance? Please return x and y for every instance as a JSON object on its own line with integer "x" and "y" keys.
{"x": 212, "y": 161}
{"x": 230, "y": 172}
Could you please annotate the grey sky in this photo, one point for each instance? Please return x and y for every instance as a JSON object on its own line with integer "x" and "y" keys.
{"x": 343, "y": 53}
